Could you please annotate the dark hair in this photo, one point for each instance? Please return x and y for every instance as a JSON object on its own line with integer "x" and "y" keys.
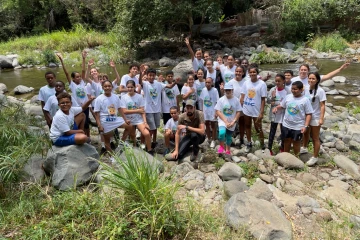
{"x": 209, "y": 60}
{"x": 73, "y": 74}
{"x": 243, "y": 69}
{"x": 60, "y": 82}
{"x": 230, "y": 55}
{"x": 253, "y": 67}
{"x": 207, "y": 52}
{"x": 280, "y": 75}
{"x": 50, "y": 72}
{"x": 151, "y": 70}
{"x": 210, "y": 79}
{"x": 244, "y": 59}
{"x": 289, "y": 71}
{"x": 102, "y": 84}
{"x": 105, "y": 76}
{"x": 169, "y": 72}
{"x": 305, "y": 65}
{"x": 63, "y": 95}
{"x": 201, "y": 70}
{"x": 132, "y": 82}
{"x": 174, "y": 107}
{"x": 298, "y": 84}
{"x": 133, "y": 65}
{"x": 318, "y": 78}
{"x": 198, "y": 49}
{"x": 190, "y": 75}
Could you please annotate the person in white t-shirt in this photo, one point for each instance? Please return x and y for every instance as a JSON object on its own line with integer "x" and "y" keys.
{"x": 196, "y": 58}
{"x": 152, "y": 94}
{"x": 171, "y": 128}
{"x": 189, "y": 92}
{"x": 107, "y": 107}
{"x": 78, "y": 87}
{"x": 228, "y": 110}
{"x": 253, "y": 97}
{"x": 133, "y": 71}
{"x": 317, "y": 97}
{"x": 214, "y": 74}
{"x": 238, "y": 83}
{"x": 46, "y": 92}
{"x": 297, "y": 117}
{"x": 52, "y": 104}
{"x": 169, "y": 96}
{"x": 200, "y": 84}
{"x": 275, "y": 96}
{"x": 133, "y": 105}
{"x": 209, "y": 96}
{"x": 67, "y": 127}
{"x": 228, "y": 72}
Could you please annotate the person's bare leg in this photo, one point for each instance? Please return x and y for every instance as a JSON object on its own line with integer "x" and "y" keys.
{"x": 80, "y": 138}
{"x": 242, "y": 127}
{"x": 287, "y": 144}
{"x": 258, "y": 129}
{"x": 306, "y": 138}
{"x": 208, "y": 130}
{"x": 316, "y": 139}
{"x": 296, "y": 147}
{"x": 107, "y": 137}
{"x": 147, "y": 137}
{"x": 214, "y": 130}
{"x": 247, "y": 121}
{"x": 167, "y": 139}
{"x": 80, "y": 120}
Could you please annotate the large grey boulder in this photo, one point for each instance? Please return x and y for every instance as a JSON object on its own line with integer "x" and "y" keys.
{"x": 288, "y": 161}
{"x": 3, "y": 88}
{"x": 182, "y": 69}
{"x": 263, "y": 219}
{"x": 165, "y": 62}
{"x": 72, "y": 165}
{"x": 5, "y": 62}
{"x": 341, "y": 199}
{"x": 348, "y": 165}
{"x": 233, "y": 187}
{"x": 21, "y": 89}
{"x": 353, "y": 130}
{"x": 33, "y": 171}
{"x": 230, "y": 171}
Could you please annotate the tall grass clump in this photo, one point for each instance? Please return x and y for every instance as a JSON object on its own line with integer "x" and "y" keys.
{"x": 330, "y": 42}
{"x": 149, "y": 196}
{"x": 268, "y": 58}
{"x": 20, "y": 138}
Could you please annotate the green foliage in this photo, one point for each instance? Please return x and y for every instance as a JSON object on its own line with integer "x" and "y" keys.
{"x": 18, "y": 141}
{"x": 268, "y": 58}
{"x": 329, "y": 42}
{"x": 251, "y": 171}
{"x": 48, "y": 56}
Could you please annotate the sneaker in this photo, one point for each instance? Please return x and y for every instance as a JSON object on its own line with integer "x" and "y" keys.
{"x": 167, "y": 150}
{"x": 151, "y": 152}
{"x": 303, "y": 150}
{"x": 138, "y": 134}
{"x": 271, "y": 152}
{"x": 263, "y": 149}
{"x": 195, "y": 157}
{"x": 221, "y": 150}
{"x": 228, "y": 152}
{"x": 142, "y": 146}
{"x": 112, "y": 145}
{"x": 153, "y": 145}
{"x": 102, "y": 151}
{"x": 242, "y": 142}
{"x": 212, "y": 144}
{"x": 248, "y": 147}
{"x": 312, "y": 161}
{"x": 281, "y": 150}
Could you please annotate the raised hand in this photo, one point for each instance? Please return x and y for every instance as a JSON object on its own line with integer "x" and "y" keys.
{"x": 91, "y": 62}
{"x": 84, "y": 54}
{"x": 59, "y": 56}
{"x": 187, "y": 41}
{"x": 112, "y": 64}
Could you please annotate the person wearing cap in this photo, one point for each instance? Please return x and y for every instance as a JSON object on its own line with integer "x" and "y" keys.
{"x": 191, "y": 126}
{"x": 228, "y": 110}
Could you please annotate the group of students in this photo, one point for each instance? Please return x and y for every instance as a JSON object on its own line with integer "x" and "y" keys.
{"x": 229, "y": 93}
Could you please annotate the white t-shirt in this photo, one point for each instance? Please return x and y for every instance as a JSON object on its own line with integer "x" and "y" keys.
{"x": 78, "y": 92}
{"x": 63, "y": 123}
{"x": 132, "y": 103}
{"x": 319, "y": 97}
{"x": 94, "y": 89}
{"x": 199, "y": 87}
{"x": 186, "y": 89}
{"x": 126, "y": 78}
{"x": 210, "y": 98}
{"x": 227, "y": 73}
{"x": 52, "y": 105}
{"x": 169, "y": 98}
{"x": 279, "y": 96}
{"x": 171, "y": 125}
{"x": 197, "y": 64}
{"x": 295, "y": 111}
{"x": 152, "y": 95}
{"x": 254, "y": 92}
{"x": 229, "y": 108}
{"x": 212, "y": 75}
{"x": 238, "y": 85}
{"x": 46, "y": 92}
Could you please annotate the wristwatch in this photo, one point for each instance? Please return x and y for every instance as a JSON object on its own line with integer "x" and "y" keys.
{"x": 306, "y": 126}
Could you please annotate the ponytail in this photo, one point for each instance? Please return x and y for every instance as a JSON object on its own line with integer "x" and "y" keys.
{"x": 318, "y": 78}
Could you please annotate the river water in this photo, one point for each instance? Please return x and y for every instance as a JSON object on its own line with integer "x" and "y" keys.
{"x": 34, "y": 77}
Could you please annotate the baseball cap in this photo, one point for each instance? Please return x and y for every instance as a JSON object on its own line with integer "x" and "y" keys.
{"x": 190, "y": 102}
{"x": 228, "y": 86}
{"x": 226, "y": 55}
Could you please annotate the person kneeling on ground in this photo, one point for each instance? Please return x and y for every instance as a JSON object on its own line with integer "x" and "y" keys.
{"x": 171, "y": 127}
{"x": 191, "y": 124}
{"x": 67, "y": 126}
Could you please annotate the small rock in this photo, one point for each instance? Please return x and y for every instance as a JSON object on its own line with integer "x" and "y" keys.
{"x": 339, "y": 79}
{"x": 21, "y": 89}
{"x": 212, "y": 181}
{"x": 342, "y": 92}
{"x": 353, "y": 145}
{"x": 182, "y": 169}
{"x": 230, "y": 171}
{"x": 3, "y": 88}
{"x": 266, "y": 178}
{"x": 339, "y": 184}
{"x": 260, "y": 190}
{"x": 339, "y": 97}
{"x": 324, "y": 176}
{"x": 332, "y": 92}
{"x": 262, "y": 168}
{"x": 306, "y": 177}
{"x": 340, "y": 146}
{"x": 327, "y": 83}
{"x": 280, "y": 183}
{"x": 252, "y": 157}
{"x": 354, "y": 93}
{"x": 324, "y": 216}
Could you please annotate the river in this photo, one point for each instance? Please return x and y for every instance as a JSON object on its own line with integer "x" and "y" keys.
{"x": 33, "y": 77}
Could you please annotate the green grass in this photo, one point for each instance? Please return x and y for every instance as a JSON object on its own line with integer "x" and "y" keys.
{"x": 251, "y": 171}
{"x": 268, "y": 58}
{"x": 329, "y": 42}
{"x": 35, "y": 50}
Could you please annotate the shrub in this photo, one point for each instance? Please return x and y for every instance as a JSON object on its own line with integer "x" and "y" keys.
{"x": 48, "y": 57}
{"x": 268, "y": 58}
{"x": 329, "y": 42}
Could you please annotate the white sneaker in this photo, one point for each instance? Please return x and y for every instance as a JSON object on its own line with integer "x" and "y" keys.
{"x": 112, "y": 160}
{"x": 303, "y": 150}
{"x": 212, "y": 144}
{"x": 312, "y": 161}
{"x": 138, "y": 134}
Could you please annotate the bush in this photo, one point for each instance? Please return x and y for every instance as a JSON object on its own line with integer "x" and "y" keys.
{"x": 268, "y": 58}
{"x": 329, "y": 42}
{"x": 48, "y": 57}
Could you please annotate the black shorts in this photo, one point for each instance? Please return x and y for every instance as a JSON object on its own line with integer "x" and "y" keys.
{"x": 166, "y": 117}
{"x": 87, "y": 119}
{"x": 295, "y": 135}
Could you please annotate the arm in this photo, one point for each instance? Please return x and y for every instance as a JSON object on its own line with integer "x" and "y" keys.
{"x": 222, "y": 117}
{"x": 185, "y": 96}
{"x": 271, "y": 97}
{"x": 90, "y": 63}
{"x": 200, "y": 130}
{"x": 177, "y": 80}
{"x": 322, "y": 112}
{"x": 242, "y": 99}
{"x": 307, "y": 122}
{"x": 117, "y": 79}
{"x": 83, "y": 73}
{"x": 262, "y": 108}
{"x": 63, "y": 66}
{"x": 86, "y": 105}
{"x": 47, "y": 115}
{"x": 190, "y": 49}
{"x": 97, "y": 118}
{"x": 123, "y": 116}
{"x": 333, "y": 73}
{"x": 140, "y": 110}
{"x": 275, "y": 109}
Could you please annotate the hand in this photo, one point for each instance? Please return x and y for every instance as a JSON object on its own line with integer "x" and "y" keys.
{"x": 177, "y": 80}
{"x": 141, "y": 110}
{"x": 91, "y": 62}
{"x": 273, "y": 94}
{"x": 274, "y": 110}
{"x": 186, "y": 84}
{"x": 80, "y": 131}
{"x": 147, "y": 126}
{"x": 175, "y": 154}
{"x": 321, "y": 121}
{"x": 59, "y": 56}
{"x": 138, "y": 86}
{"x": 303, "y": 130}
{"x": 142, "y": 68}
{"x": 259, "y": 118}
{"x": 101, "y": 129}
{"x": 180, "y": 127}
{"x": 91, "y": 98}
{"x": 84, "y": 54}
{"x": 192, "y": 90}
{"x": 112, "y": 64}
{"x": 217, "y": 68}
{"x": 127, "y": 121}
{"x": 345, "y": 65}
{"x": 187, "y": 41}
